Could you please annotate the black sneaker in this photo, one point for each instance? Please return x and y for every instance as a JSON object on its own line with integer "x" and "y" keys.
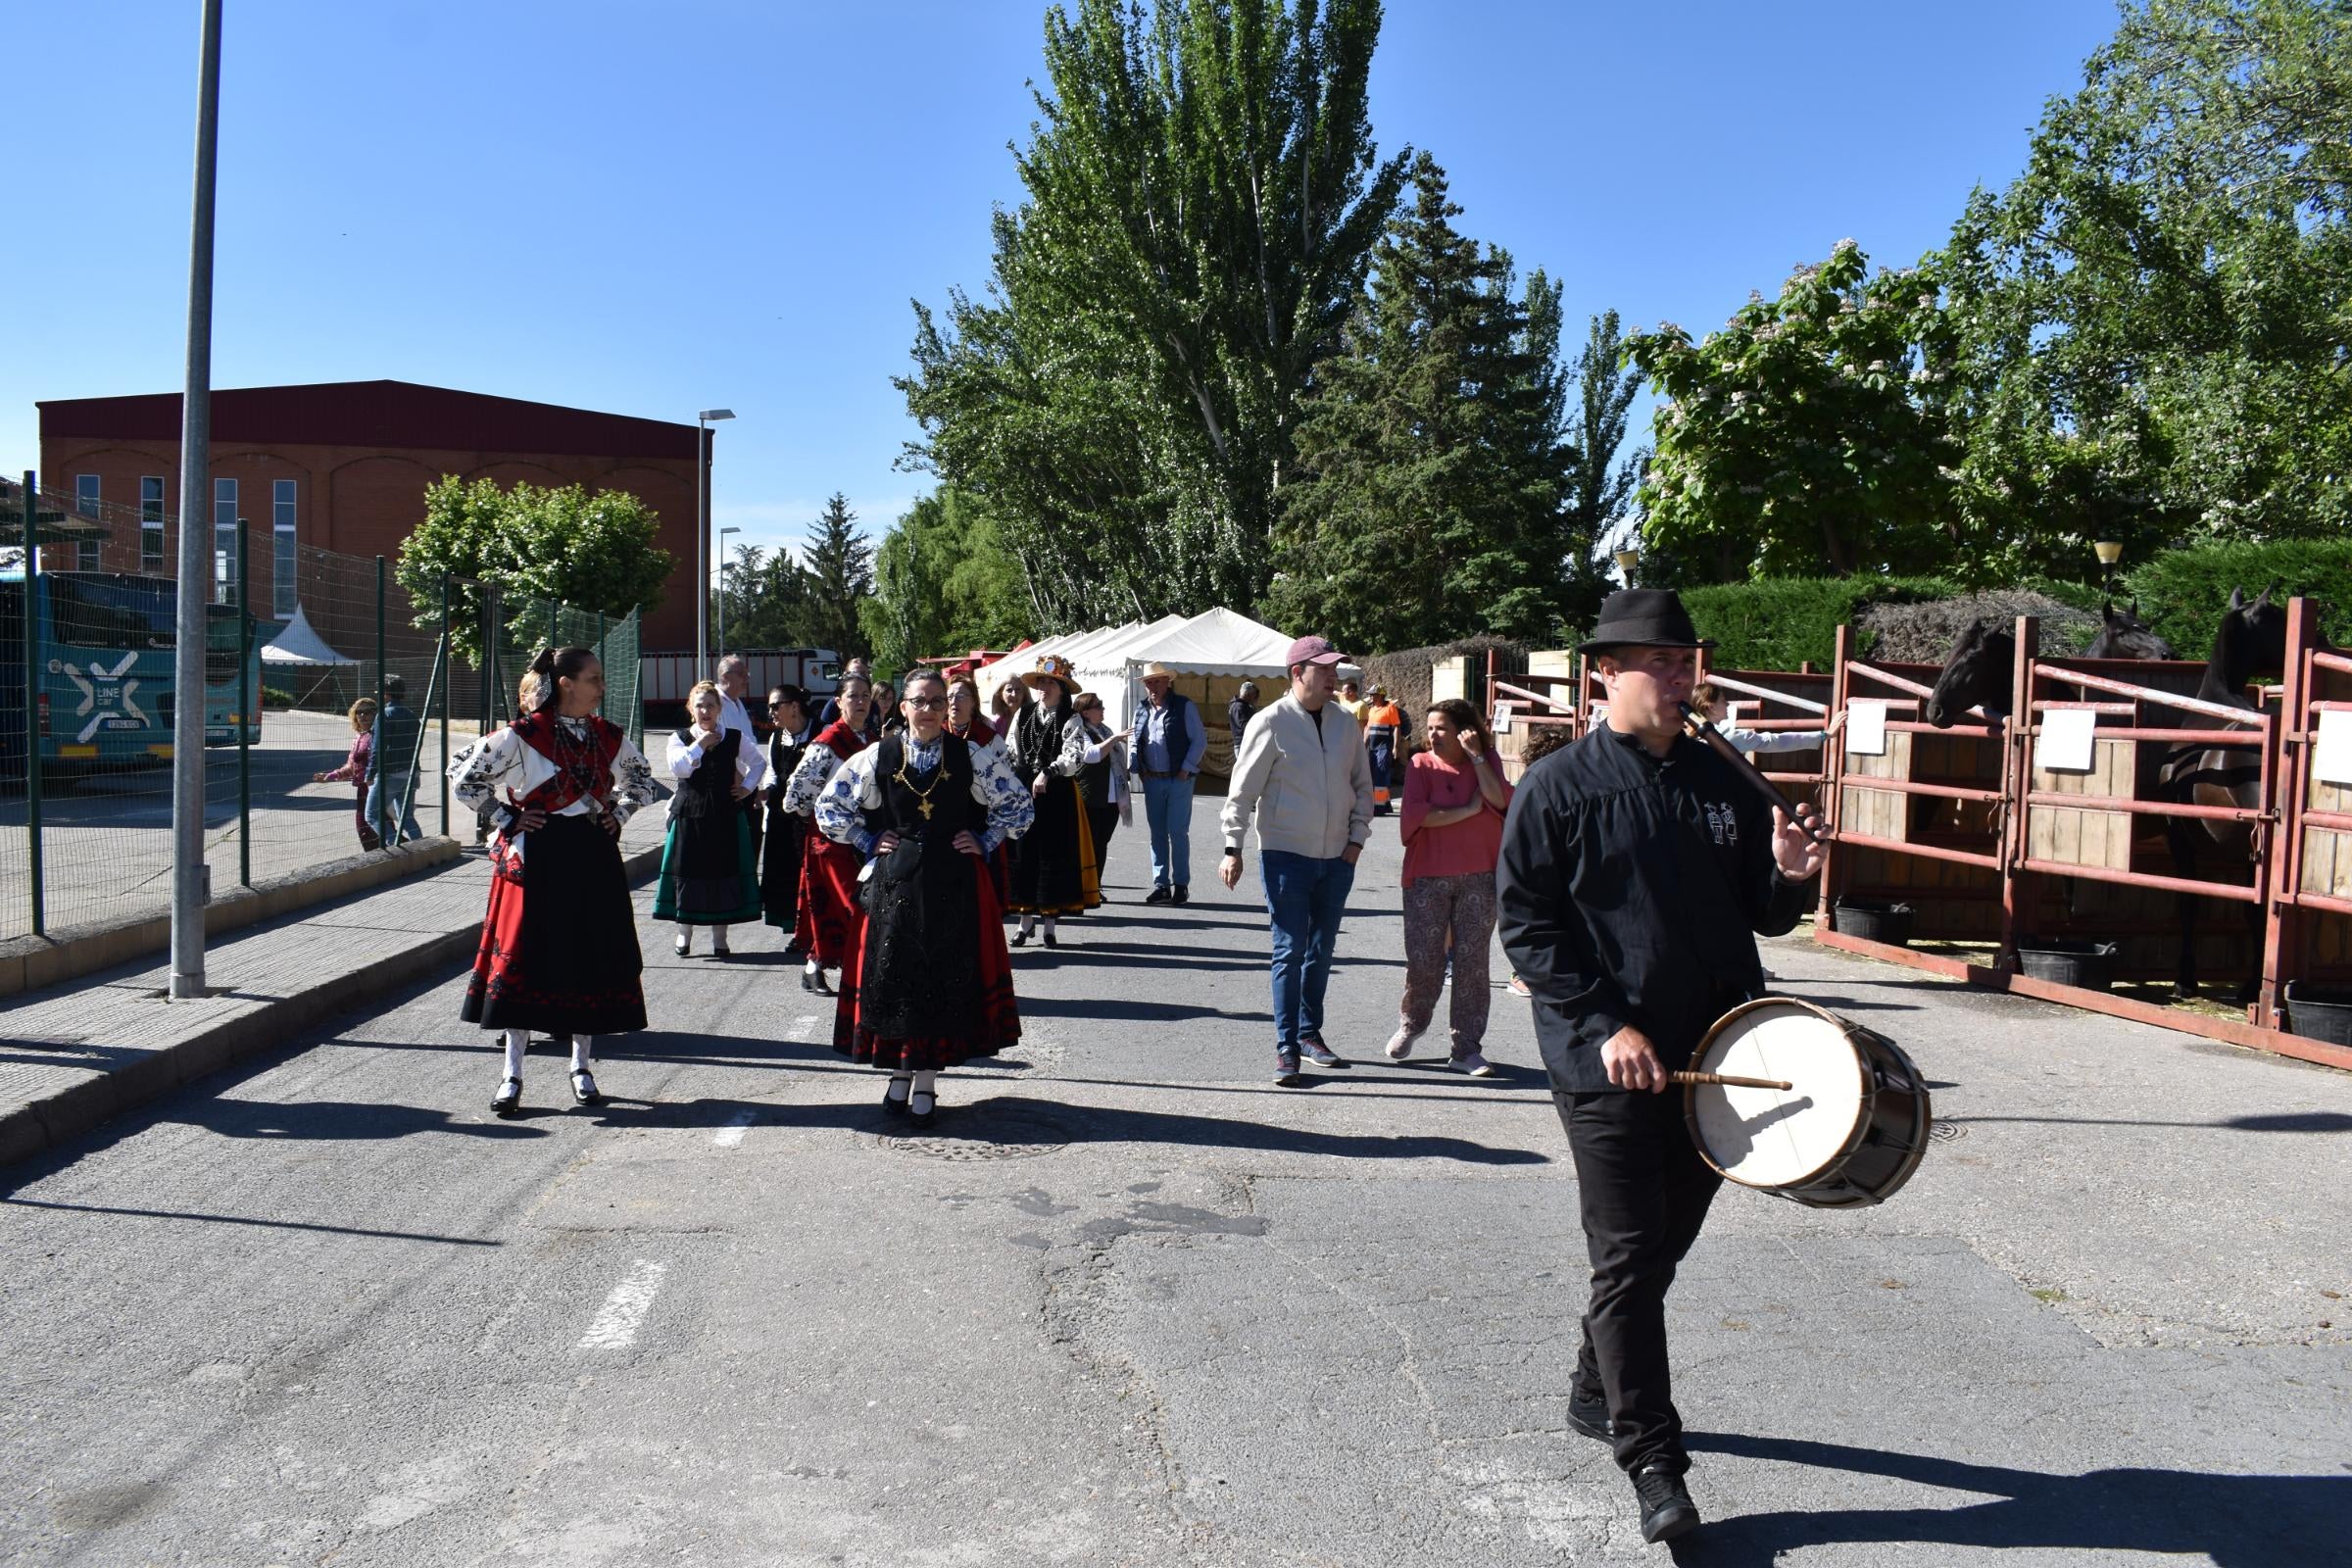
{"x": 1286, "y": 1068}
{"x": 1184, "y": 895}
{"x": 1321, "y": 1054}
{"x": 1667, "y": 1510}
{"x": 1590, "y": 1415}
{"x": 1159, "y": 895}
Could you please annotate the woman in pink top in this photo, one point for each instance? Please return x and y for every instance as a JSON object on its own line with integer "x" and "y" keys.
{"x": 1455, "y": 799}
{"x": 354, "y": 770}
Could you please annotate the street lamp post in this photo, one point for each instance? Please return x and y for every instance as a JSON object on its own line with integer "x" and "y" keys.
{"x": 702, "y": 534}
{"x": 1626, "y": 560}
{"x": 2110, "y": 552}
{"x": 723, "y": 588}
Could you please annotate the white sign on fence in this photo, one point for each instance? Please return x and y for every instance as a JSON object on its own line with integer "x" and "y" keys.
{"x": 2065, "y": 743}
{"x": 2331, "y": 757}
{"x": 1865, "y": 727}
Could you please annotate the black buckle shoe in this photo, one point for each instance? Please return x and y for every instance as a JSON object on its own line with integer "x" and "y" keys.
{"x": 509, "y": 1099}
{"x": 1020, "y": 939}
{"x": 1591, "y": 1417}
{"x": 1667, "y": 1510}
{"x": 893, "y": 1104}
{"x": 1049, "y": 942}
{"x": 583, "y": 1088}
{"x": 920, "y": 1115}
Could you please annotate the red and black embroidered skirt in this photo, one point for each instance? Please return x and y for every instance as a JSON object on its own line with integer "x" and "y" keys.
{"x": 828, "y": 923}
{"x": 559, "y": 951}
{"x": 988, "y": 1024}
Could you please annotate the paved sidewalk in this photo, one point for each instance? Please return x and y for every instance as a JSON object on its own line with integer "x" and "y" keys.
{"x": 73, "y": 1055}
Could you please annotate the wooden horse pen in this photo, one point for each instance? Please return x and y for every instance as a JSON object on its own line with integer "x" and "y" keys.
{"x": 1992, "y": 847}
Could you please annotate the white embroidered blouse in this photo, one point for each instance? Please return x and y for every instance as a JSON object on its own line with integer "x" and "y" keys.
{"x": 854, "y": 789}
{"x": 503, "y": 766}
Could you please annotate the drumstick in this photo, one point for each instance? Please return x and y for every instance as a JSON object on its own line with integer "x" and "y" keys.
{"x": 1815, "y": 826}
{"x": 1728, "y": 1080}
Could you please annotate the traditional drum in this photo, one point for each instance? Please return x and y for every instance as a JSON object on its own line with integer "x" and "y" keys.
{"x": 1847, "y": 1129}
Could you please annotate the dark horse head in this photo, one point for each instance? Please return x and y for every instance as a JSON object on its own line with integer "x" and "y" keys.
{"x": 2126, "y": 636}
{"x": 1976, "y": 674}
{"x": 2251, "y": 642}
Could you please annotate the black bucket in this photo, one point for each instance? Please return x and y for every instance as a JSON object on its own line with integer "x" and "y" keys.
{"x": 2319, "y": 1012}
{"x": 2089, "y": 965}
{"x": 1873, "y": 920}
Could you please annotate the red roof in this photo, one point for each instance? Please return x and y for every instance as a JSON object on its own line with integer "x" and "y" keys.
{"x": 396, "y": 415}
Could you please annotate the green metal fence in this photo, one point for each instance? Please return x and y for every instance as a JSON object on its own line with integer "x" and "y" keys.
{"x": 87, "y": 697}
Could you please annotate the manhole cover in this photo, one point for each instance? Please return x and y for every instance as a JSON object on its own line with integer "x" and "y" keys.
{"x": 979, "y": 1132}
{"x": 1944, "y": 1132}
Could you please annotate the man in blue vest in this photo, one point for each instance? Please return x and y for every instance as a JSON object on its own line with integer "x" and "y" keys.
{"x": 1165, "y": 747}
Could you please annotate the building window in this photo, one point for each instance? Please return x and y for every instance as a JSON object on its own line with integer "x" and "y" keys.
{"x": 225, "y": 537}
{"x": 281, "y": 543}
{"x": 85, "y": 501}
{"x": 151, "y": 522}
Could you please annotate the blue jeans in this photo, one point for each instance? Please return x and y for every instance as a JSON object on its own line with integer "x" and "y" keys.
{"x": 1168, "y": 809}
{"x": 1304, "y": 898}
{"x": 376, "y": 809}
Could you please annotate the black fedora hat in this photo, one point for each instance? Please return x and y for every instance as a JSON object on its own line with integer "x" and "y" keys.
{"x": 1643, "y": 618}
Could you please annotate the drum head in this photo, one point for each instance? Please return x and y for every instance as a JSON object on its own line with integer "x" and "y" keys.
{"x": 1771, "y": 1137}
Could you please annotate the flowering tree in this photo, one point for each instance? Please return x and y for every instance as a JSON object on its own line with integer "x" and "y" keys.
{"x": 1809, "y": 435}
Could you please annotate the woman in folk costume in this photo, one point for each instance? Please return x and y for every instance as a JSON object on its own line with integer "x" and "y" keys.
{"x": 1103, "y": 786}
{"x": 825, "y": 927}
{"x": 965, "y": 724}
{"x": 708, "y": 875}
{"x": 1054, "y": 871}
{"x": 785, "y": 833}
{"x": 933, "y": 984}
{"x": 559, "y": 951}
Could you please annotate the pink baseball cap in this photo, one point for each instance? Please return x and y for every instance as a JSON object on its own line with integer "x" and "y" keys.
{"x": 1313, "y": 651}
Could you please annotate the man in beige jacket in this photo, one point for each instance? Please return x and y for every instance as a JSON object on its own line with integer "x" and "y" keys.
{"x": 1302, "y": 775}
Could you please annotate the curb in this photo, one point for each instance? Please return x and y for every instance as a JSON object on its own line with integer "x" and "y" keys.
{"x": 42, "y": 1125}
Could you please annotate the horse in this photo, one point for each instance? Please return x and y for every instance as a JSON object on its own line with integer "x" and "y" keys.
{"x": 2251, "y": 642}
{"x": 1976, "y": 673}
{"x": 2126, "y": 636}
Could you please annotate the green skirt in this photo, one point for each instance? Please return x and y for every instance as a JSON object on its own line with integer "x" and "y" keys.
{"x": 708, "y": 876}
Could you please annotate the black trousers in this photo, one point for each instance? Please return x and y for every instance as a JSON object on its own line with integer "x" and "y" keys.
{"x": 1645, "y": 1192}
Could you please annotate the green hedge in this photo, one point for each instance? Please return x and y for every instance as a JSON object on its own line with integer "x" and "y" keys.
{"x": 1780, "y": 622}
{"x": 2182, "y": 593}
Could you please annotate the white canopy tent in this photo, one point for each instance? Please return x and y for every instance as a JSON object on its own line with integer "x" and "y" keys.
{"x": 300, "y": 647}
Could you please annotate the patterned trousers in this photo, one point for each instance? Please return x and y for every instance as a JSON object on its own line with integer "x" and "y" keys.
{"x": 1442, "y": 913}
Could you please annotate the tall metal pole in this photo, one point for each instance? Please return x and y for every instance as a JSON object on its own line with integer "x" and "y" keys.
{"x": 195, "y": 539}
{"x": 702, "y": 548}
{"x": 32, "y": 702}
{"x": 449, "y": 692}
{"x": 377, "y": 757}
{"x": 244, "y": 715}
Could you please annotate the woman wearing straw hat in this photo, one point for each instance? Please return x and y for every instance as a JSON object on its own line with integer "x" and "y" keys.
{"x": 1053, "y": 870}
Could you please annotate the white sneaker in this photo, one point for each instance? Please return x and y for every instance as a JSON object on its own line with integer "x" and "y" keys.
{"x": 1475, "y": 1064}
{"x": 1400, "y": 1044}
{"x": 1519, "y": 987}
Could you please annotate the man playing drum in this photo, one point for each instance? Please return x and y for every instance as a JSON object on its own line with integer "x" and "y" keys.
{"x": 1637, "y": 871}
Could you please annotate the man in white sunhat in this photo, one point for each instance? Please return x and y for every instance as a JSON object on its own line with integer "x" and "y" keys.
{"x": 1164, "y": 749}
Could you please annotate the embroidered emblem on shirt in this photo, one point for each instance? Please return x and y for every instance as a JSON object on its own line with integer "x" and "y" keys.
{"x": 1723, "y": 824}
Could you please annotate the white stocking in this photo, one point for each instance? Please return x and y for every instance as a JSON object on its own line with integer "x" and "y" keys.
{"x": 517, "y": 1041}
{"x": 1049, "y": 925}
{"x": 927, "y": 1083}
{"x": 583, "y": 1052}
{"x": 1028, "y": 923}
{"x": 898, "y": 1086}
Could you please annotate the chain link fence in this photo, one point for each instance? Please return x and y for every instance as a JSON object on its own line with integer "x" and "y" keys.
{"x": 301, "y": 768}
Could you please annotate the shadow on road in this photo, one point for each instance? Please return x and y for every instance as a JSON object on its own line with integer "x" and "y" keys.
{"x": 2249, "y": 1521}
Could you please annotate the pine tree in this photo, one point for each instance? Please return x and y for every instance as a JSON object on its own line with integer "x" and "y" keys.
{"x": 1432, "y": 470}
{"x": 840, "y": 570}
{"x": 1600, "y": 489}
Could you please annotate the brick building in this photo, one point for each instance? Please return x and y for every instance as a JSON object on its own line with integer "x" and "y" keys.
{"x": 343, "y": 466}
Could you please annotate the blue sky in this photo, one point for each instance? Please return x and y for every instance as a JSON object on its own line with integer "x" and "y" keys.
{"x": 654, "y": 208}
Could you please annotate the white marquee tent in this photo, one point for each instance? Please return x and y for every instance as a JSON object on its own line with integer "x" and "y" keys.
{"x": 300, "y": 647}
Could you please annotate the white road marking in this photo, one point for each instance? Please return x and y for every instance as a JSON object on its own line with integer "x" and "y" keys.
{"x": 805, "y": 1029}
{"x": 616, "y": 1326}
{"x": 732, "y": 1133}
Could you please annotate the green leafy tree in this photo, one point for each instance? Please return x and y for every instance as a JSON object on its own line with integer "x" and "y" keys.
{"x": 592, "y": 549}
{"x": 1432, "y": 469}
{"x": 2156, "y": 317}
{"x": 1201, "y": 201}
{"x": 944, "y": 583}
{"x": 1804, "y": 438}
{"x": 838, "y": 568}
{"x": 1600, "y": 486}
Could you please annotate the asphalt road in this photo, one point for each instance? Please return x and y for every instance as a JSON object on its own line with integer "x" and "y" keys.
{"x": 1131, "y": 1304}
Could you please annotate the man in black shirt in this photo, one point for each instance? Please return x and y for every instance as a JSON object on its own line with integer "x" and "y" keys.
{"x": 1636, "y": 870}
